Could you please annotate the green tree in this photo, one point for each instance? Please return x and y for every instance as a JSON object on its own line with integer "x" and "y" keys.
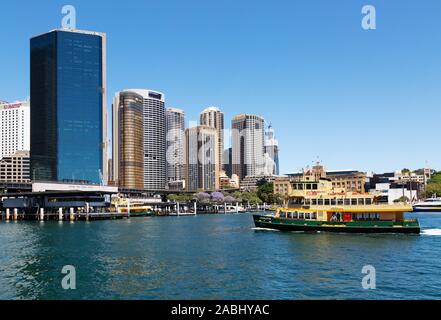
{"x": 402, "y": 199}
{"x": 266, "y": 193}
{"x": 172, "y": 197}
{"x": 433, "y": 186}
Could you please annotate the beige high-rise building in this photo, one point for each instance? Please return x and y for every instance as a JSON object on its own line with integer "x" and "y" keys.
{"x": 128, "y": 151}
{"x": 212, "y": 117}
{"x": 201, "y": 152}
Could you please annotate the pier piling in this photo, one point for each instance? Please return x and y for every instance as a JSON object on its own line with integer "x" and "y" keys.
{"x": 15, "y": 214}
{"x": 60, "y": 214}
{"x": 41, "y": 214}
{"x": 8, "y": 214}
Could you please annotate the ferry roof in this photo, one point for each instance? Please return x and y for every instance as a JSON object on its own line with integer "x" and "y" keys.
{"x": 354, "y": 209}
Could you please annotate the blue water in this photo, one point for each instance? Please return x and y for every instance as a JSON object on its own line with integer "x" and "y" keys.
{"x": 213, "y": 257}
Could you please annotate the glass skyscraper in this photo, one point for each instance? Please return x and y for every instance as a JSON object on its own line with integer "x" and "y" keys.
{"x": 68, "y": 115}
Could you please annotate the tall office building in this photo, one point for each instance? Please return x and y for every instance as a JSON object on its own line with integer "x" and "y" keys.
{"x": 14, "y": 128}
{"x": 128, "y": 140}
{"x": 175, "y": 145}
{"x": 271, "y": 152}
{"x": 154, "y": 127}
{"x": 248, "y": 145}
{"x": 68, "y": 116}
{"x": 201, "y": 148}
{"x": 214, "y": 118}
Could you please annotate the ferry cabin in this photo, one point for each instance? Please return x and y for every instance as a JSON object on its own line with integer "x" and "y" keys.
{"x": 340, "y": 215}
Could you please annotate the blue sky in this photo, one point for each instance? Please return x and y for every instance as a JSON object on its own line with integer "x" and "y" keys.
{"x": 367, "y": 100}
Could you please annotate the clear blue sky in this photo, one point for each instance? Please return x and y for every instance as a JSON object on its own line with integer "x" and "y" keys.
{"x": 368, "y": 100}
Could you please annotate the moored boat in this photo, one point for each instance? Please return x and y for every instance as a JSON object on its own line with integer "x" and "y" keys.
{"x": 429, "y": 205}
{"x": 142, "y": 211}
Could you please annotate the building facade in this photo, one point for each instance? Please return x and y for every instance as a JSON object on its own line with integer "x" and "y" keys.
{"x": 175, "y": 147}
{"x": 248, "y": 145}
{"x": 212, "y": 117}
{"x": 251, "y": 183}
{"x": 14, "y": 128}
{"x": 202, "y": 170}
{"x": 350, "y": 180}
{"x": 68, "y": 118}
{"x": 15, "y": 168}
{"x": 154, "y": 127}
{"x": 128, "y": 141}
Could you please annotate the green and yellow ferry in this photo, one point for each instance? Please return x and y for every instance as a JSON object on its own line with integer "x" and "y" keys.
{"x": 315, "y": 206}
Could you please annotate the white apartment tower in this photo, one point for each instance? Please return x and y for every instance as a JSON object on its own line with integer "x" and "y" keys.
{"x": 175, "y": 123}
{"x": 14, "y": 128}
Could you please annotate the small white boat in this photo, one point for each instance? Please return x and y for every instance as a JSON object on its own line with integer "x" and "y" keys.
{"x": 429, "y": 205}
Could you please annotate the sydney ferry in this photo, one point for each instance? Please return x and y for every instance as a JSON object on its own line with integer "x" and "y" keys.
{"x": 316, "y": 206}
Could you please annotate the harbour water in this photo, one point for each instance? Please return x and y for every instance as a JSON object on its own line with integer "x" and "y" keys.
{"x": 213, "y": 257}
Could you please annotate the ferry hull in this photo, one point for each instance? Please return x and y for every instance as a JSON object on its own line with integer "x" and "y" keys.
{"x": 337, "y": 227}
{"x": 426, "y": 209}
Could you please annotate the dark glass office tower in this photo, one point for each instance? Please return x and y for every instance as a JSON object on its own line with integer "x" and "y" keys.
{"x": 68, "y": 116}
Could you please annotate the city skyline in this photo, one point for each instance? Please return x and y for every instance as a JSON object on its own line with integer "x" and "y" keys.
{"x": 382, "y": 94}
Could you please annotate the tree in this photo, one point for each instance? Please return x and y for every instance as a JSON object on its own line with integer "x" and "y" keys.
{"x": 433, "y": 186}
{"x": 172, "y": 197}
{"x": 261, "y": 182}
{"x": 266, "y": 193}
{"x": 402, "y": 199}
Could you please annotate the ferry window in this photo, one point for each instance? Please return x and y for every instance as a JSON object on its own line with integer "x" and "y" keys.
{"x": 296, "y": 215}
{"x": 314, "y": 202}
{"x": 308, "y": 187}
{"x": 314, "y": 216}
{"x": 354, "y": 202}
{"x": 315, "y": 186}
{"x": 333, "y": 202}
{"x": 347, "y": 202}
{"x": 300, "y": 186}
{"x": 339, "y": 201}
{"x": 368, "y": 201}
{"x": 291, "y": 215}
{"x": 294, "y": 186}
{"x": 327, "y": 202}
{"x": 301, "y": 215}
{"x": 321, "y": 202}
{"x": 360, "y": 201}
